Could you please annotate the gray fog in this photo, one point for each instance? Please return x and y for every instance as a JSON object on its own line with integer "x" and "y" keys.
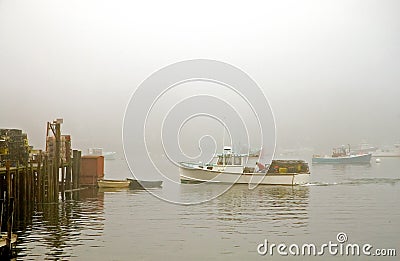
{"x": 330, "y": 69}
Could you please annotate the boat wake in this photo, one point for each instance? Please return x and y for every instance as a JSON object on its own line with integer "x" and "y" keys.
{"x": 359, "y": 181}
{"x": 319, "y": 184}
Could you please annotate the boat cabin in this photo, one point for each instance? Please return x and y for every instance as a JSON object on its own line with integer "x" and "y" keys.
{"x": 229, "y": 158}
{"x": 341, "y": 152}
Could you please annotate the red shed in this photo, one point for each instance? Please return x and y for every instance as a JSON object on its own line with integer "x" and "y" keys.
{"x": 92, "y": 169}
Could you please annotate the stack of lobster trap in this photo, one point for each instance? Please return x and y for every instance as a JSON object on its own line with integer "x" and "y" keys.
{"x": 14, "y": 147}
{"x": 65, "y": 147}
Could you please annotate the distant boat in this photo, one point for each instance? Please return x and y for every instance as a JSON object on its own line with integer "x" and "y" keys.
{"x": 108, "y": 155}
{"x": 229, "y": 168}
{"x": 110, "y": 183}
{"x": 388, "y": 151}
{"x": 363, "y": 148}
{"x": 142, "y": 184}
{"x": 342, "y": 156}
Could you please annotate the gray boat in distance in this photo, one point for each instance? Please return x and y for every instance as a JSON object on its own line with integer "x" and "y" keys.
{"x": 342, "y": 156}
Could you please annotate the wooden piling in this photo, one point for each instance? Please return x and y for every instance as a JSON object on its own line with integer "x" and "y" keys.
{"x": 8, "y": 180}
{"x": 62, "y": 177}
{"x": 24, "y": 177}
{"x": 44, "y": 179}
{"x": 75, "y": 170}
{"x": 38, "y": 176}
{"x": 68, "y": 176}
{"x": 9, "y": 205}
{"x": 55, "y": 178}
{"x": 9, "y": 225}
{"x": 16, "y": 182}
{"x": 57, "y": 160}
{"x": 1, "y": 213}
{"x": 49, "y": 181}
{"x": 62, "y": 181}
{"x": 69, "y": 162}
{"x": 12, "y": 185}
{"x": 79, "y": 168}
{"x": 31, "y": 184}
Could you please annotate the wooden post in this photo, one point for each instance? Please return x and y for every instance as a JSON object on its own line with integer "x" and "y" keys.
{"x": 57, "y": 160}
{"x": 44, "y": 179}
{"x": 16, "y": 181}
{"x": 9, "y": 225}
{"x": 31, "y": 184}
{"x": 38, "y": 178}
{"x": 25, "y": 199}
{"x": 47, "y": 135}
{"x": 68, "y": 176}
{"x": 14, "y": 185}
{"x": 8, "y": 180}
{"x": 50, "y": 181}
{"x": 75, "y": 169}
{"x": 18, "y": 197}
{"x": 68, "y": 172}
{"x": 79, "y": 168}
{"x": 1, "y": 213}
{"x": 55, "y": 179}
{"x": 62, "y": 179}
{"x": 10, "y": 202}
{"x": 62, "y": 176}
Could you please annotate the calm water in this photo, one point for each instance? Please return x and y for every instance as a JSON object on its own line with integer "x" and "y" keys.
{"x": 360, "y": 200}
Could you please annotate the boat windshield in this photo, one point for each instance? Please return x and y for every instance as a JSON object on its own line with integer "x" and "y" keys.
{"x": 341, "y": 152}
{"x": 229, "y": 159}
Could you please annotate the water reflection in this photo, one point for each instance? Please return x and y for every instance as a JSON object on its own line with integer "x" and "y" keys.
{"x": 239, "y": 217}
{"x": 342, "y": 167}
{"x": 102, "y": 190}
{"x": 274, "y": 207}
{"x": 55, "y": 228}
{"x": 333, "y": 174}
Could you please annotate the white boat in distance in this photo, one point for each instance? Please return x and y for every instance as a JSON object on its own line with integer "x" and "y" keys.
{"x": 229, "y": 168}
{"x": 108, "y": 155}
{"x": 388, "y": 151}
{"x": 363, "y": 148}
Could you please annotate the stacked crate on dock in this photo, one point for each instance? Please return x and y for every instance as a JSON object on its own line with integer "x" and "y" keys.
{"x": 14, "y": 146}
{"x": 3, "y": 150}
{"x": 65, "y": 147}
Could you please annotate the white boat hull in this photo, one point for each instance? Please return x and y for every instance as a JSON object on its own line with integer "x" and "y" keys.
{"x": 188, "y": 174}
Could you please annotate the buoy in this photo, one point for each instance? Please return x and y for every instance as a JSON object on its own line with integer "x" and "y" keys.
{"x": 378, "y": 160}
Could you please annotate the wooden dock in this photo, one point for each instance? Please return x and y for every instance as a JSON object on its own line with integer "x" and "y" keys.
{"x": 47, "y": 176}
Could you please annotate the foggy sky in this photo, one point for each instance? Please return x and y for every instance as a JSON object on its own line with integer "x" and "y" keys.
{"x": 330, "y": 69}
